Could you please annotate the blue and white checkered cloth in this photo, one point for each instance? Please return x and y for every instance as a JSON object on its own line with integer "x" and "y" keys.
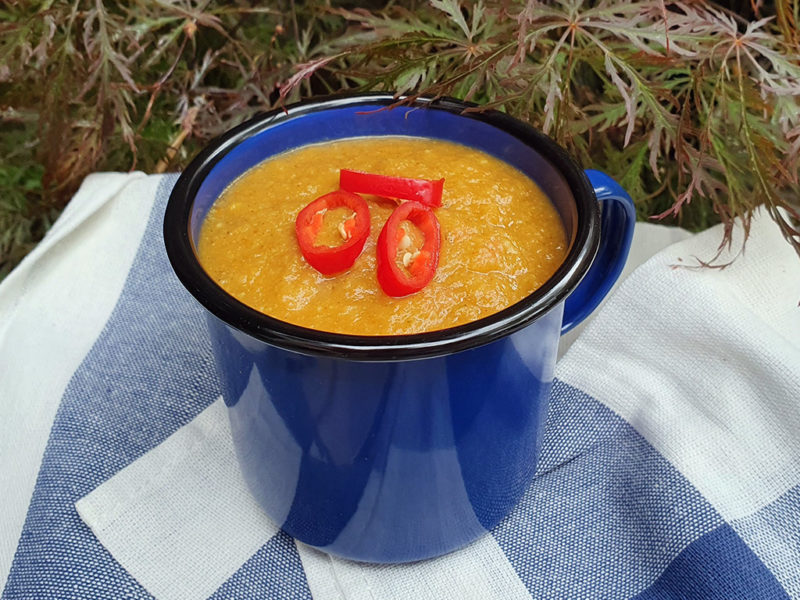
{"x": 670, "y": 466}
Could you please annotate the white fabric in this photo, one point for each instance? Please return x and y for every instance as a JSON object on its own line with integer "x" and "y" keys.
{"x": 180, "y": 519}
{"x": 701, "y": 362}
{"x": 52, "y": 308}
{"x": 480, "y": 571}
{"x": 648, "y": 238}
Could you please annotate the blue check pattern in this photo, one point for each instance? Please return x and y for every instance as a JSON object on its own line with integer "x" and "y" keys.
{"x": 607, "y": 516}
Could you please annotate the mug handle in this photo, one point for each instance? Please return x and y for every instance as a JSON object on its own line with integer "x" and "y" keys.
{"x": 616, "y": 233}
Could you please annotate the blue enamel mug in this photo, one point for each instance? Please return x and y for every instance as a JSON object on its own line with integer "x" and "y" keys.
{"x": 396, "y": 448}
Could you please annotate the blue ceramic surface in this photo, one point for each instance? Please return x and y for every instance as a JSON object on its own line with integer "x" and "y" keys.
{"x": 618, "y": 219}
{"x": 396, "y": 448}
{"x": 389, "y": 461}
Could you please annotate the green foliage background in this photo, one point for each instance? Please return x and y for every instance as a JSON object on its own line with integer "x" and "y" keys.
{"x": 693, "y": 106}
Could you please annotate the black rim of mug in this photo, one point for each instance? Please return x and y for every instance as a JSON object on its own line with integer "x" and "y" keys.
{"x": 181, "y": 252}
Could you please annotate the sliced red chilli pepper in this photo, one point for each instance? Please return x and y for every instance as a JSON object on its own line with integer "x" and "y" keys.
{"x": 426, "y": 191}
{"x": 393, "y": 279}
{"x": 330, "y": 260}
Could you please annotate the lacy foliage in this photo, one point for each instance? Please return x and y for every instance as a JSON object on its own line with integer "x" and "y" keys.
{"x": 695, "y": 110}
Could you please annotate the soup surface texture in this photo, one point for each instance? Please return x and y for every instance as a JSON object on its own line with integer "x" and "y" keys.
{"x": 501, "y": 238}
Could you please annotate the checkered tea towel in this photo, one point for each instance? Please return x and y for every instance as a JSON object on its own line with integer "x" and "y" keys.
{"x": 670, "y": 466}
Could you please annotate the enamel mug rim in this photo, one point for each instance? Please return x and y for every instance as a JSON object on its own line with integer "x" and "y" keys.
{"x": 181, "y": 250}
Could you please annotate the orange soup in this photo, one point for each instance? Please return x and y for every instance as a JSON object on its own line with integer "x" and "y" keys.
{"x": 501, "y": 238}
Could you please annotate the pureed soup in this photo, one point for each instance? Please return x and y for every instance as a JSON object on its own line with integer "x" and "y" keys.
{"x": 501, "y": 238}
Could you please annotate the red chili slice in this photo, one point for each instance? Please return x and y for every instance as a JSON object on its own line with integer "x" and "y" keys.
{"x": 326, "y": 259}
{"x": 426, "y": 191}
{"x": 394, "y": 280}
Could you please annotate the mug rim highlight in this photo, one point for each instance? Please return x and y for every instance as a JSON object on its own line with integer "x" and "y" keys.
{"x": 183, "y": 257}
